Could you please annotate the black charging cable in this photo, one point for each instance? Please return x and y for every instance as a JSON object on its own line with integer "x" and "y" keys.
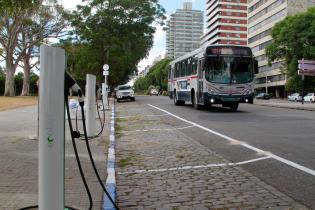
{"x": 91, "y": 157}
{"x": 73, "y": 136}
{"x": 102, "y": 123}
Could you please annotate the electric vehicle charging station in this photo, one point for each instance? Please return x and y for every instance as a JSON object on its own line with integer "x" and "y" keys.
{"x": 90, "y": 105}
{"x": 53, "y": 97}
{"x": 51, "y": 128}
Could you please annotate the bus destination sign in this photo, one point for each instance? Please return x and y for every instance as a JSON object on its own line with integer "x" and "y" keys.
{"x": 228, "y": 51}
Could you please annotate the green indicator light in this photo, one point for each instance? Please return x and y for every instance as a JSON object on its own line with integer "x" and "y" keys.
{"x": 50, "y": 139}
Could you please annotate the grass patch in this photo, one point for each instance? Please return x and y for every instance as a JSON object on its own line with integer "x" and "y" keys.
{"x": 7, "y": 103}
{"x": 130, "y": 160}
{"x": 180, "y": 156}
{"x": 125, "y": 162}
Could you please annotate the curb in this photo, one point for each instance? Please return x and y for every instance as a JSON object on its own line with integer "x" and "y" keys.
{"x": 110, "y": 184}
{"x": 286, "y": 107}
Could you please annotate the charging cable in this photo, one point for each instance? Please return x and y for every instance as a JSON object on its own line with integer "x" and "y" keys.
{"x": 91, "y": 157}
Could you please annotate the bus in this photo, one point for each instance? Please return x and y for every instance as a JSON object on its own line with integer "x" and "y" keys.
{"x": 214, "y": 74}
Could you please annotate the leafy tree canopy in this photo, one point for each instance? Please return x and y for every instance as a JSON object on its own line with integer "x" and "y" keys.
{"x": 294, "y": 39}
{"x": 116, "y": 32}
{"x": 157, "y": 76}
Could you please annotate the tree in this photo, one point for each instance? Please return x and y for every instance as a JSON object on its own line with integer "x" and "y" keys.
{"x": 116, "y": 32}
{"x": 157, "y": 77}
{"x": 46, "y": 22}
{"x": 23, "y": 25}
{"x": 13, "y": 16}
{"x": 294, "y": 39}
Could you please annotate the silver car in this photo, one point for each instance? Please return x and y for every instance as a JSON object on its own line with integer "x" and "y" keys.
{"x": 295, "y": 97}
{"x": 124, "y": 92}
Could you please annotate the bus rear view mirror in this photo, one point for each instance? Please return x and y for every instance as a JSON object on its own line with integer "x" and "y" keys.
{"x": 256, "y": 66}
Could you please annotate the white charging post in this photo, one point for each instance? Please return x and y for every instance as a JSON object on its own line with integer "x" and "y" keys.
{"x": 51, "y": 128}
{"x": 90, "y": 105}
{"x": 105, "y": 87}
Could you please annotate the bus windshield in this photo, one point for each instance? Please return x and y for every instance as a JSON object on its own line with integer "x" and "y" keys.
{"x": 229, "y": 70}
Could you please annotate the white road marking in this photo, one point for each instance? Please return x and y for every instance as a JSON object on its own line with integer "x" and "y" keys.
{"x": 122, "y": 117}
{"x": 159, "y": 129}
{"x": 282, "y": 160}
{"x": 195, "y": 167}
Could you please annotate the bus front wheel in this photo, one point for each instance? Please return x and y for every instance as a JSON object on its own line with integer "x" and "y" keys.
{"x": 194, "y": 101}
{"x": 233, "y": 107}
{"x": 176, "y": 102}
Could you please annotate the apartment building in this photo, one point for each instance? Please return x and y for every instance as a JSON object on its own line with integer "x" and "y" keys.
{"x": 262, "y": 16}
{"x": 226, "y": 22}
{"x": 183, "y": 31}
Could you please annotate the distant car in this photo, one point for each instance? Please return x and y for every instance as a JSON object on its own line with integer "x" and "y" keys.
{"x": 154, "y": 92}
{"x": 295, "y": 97}
{"x": 263, "y": 96}
{"x": 310, "y": 97}
{"x": 124, "y": 92}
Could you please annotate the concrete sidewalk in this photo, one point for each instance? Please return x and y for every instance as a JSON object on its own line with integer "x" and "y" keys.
{"x": 19, "y": 163}
{"x": 161, "y": 168}
{"x": 282, "y": 103}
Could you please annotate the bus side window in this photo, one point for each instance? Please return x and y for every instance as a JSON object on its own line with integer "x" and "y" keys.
{"x": 194, "y": 66}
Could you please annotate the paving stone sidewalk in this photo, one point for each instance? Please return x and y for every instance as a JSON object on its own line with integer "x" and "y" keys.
{"x": 148, "y": 154}
{"x": 19, "y": 163}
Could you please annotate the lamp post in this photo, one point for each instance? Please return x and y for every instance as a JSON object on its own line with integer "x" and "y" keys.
{"x": 266, "y": 84}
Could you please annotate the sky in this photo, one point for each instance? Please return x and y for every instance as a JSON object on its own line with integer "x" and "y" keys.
{"x": 159, "y": 45}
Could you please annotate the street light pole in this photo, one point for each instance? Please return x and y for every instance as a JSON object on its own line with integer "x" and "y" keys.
{"x": 302, "y": 89}
{"x": 266, "y": 84}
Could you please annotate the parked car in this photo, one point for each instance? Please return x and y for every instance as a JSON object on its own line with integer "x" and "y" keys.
{"x": 295, "y": 97}
{"x": 263, "y": 96}
{"x": 154, "y": 92}
{"x": 310, "y": 97}
{"x": 124, "y": 92}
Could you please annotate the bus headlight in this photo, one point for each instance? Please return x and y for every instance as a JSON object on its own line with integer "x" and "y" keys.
{"x": 212, "y": 100}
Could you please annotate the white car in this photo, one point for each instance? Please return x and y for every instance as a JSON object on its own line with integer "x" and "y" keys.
{"x": 295, "y": 97}
{"x": 124, "y": 92}
{"x": 154, "y": 92}
{"x": 310, "y": 97}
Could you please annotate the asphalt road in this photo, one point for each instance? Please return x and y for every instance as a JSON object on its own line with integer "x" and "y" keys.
{"x": 286, "y": 133}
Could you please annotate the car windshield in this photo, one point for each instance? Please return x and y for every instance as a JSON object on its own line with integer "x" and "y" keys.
{"x": 227, "y": 70}
{"x": 124, "y": 88}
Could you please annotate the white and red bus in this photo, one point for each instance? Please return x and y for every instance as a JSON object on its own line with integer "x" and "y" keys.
{"x": 215, "y": 74}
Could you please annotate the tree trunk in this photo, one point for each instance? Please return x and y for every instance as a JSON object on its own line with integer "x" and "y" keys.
{"x": 26, "y": 78}
{"x": 9, "y": 78}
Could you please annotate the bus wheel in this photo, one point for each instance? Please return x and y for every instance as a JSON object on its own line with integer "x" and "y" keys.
{"x": 176, "y": 102}
{"x": 233, "y": 107}
{"x": 194, "y": 101}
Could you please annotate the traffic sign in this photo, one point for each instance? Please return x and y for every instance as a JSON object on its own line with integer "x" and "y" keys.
{"x": 106, "y": 67}
{"x": 306, "y": 67}
{"x": 307, "y": 61}
{"x": 106, "y": 73}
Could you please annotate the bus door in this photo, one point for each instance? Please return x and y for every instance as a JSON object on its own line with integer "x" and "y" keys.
{"x": 200, "y": 81}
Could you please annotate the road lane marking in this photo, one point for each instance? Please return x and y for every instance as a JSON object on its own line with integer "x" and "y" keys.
{"x": 280, "y": 159}
{"x": 130, "y": 116}
{"x": 195, "y": 167}
{"x": 160, "y": 129}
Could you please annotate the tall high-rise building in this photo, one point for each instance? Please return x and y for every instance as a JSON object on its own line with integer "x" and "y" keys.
{"x": 226, "y": 22}
{"x": 183, "y": 31}
{"x": 262, "y": 16}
